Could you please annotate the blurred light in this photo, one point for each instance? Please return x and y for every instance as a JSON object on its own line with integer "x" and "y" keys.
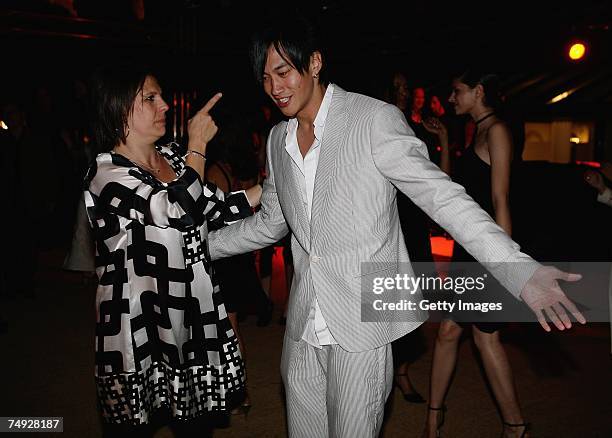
{"x": 3, "y": 125}
{"x": 441, "y": 247}
{"x": 577, "y": 51}
{"x": 593, "y": 164}
{"x": 559, "y": 97}
{"x": 575, "y": 140}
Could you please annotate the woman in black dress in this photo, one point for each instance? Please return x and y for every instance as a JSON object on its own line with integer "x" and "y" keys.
{"x": 484, "y": 171}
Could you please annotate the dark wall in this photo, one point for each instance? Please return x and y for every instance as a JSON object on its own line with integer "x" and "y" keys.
{"x": 556, "y": 216}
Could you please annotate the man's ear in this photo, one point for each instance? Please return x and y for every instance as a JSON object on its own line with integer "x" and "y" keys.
{"x": 316, "y": 63}
{"x": 479, "y": 91}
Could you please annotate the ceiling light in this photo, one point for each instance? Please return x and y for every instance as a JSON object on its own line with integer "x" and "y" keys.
{"x": 559, "y": 97}
{"x": 577, "y": 51}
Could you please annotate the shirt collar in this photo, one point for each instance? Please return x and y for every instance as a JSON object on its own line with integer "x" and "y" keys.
{"x": 320, "y": 119}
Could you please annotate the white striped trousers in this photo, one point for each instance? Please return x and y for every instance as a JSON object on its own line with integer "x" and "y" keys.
{"x": 333, "y": 393}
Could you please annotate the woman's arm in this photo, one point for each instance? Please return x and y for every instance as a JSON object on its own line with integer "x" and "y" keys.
{"x": 216, "y": 176}
{"x": 435, "y": 126}
{"x": 115, "y": 188}
{"x": 201, "y": 128}
{"x": 499, "y": 143}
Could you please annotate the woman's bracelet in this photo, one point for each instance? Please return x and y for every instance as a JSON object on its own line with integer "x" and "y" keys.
{"x": 191, "y": 151}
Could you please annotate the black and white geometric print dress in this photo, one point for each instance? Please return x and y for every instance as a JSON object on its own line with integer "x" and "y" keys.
{"x": 162, "y": 333}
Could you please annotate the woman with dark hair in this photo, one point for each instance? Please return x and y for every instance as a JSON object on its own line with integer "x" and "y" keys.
{"x": 484, "y": 171}
{"x": 163, "y": 340}
{"x": 417, "y": 117}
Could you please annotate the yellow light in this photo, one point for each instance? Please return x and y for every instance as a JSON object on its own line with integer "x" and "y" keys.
{"x": 3, "y": 125}
{"x": 575, "y": 140}
{"x": 577, "y": 51}
{"x": 559, "y": 97}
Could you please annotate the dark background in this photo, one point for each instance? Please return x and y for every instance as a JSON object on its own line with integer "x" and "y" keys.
{"x": 202, "y": 44}
{"x": 201, "y": 47}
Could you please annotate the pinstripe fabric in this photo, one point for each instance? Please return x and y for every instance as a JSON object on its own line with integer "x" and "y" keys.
{"x": 335, "y": 393}
{"x": 367, "y": 152}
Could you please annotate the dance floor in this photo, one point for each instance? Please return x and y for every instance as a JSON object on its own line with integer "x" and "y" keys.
{"x": 563, "y": 379}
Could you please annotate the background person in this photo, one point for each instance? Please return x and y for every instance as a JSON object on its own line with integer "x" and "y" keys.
{"x": 484, "y": 170}
{"x": 233, "y": 167}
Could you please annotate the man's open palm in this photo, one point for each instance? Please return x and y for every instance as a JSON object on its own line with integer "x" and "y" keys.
{"x": 544, "y": 296}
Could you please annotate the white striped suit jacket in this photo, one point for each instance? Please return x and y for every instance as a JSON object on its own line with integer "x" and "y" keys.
{"x": 368, "y": 151}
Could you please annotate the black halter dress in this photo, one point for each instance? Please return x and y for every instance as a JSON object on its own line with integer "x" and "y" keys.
{"x": 474, "y": 175}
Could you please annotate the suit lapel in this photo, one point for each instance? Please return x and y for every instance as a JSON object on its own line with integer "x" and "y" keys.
{"x": 335, "y": 130}
{"x": 290, "y": 174}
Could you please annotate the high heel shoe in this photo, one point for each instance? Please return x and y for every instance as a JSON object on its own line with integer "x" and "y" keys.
{"x": 412, "y": 396}
{"x": 527, "y": 426}
{"x": 440, "y": 423}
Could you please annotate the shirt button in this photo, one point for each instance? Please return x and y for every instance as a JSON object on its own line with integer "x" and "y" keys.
{"x": 315, "y": 259}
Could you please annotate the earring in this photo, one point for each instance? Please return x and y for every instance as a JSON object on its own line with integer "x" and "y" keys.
{"x": 316, "y": 75}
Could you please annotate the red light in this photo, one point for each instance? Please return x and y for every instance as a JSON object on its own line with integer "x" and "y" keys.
{"x": 594, "y": 164}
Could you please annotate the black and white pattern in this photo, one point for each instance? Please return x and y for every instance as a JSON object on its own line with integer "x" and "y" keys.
{"x": 162, "y": 333}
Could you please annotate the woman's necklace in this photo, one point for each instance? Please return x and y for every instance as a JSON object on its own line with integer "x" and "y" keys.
{"x": 154, "y": 170}
{"x": 486, "y": 116}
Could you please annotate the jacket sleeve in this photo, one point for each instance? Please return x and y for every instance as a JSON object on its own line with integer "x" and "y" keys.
{"x": 264, "y": 228}
{"x": 403, "y": 159}
{"x": 225, "y": 208}
{"x": 181, "y": 204}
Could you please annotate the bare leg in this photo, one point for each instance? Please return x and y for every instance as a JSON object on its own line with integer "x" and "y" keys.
{"x": 265, "y": 284}
{"x": 499, "y": 373}
{"x": 442, "y": 367}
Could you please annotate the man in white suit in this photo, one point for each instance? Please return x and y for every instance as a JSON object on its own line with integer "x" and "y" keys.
{"x": 333, "y": 171}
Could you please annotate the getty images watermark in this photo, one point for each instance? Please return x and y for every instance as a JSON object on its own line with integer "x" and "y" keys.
{"x": 468, "y": 292}
{"x": 424, "y": 283}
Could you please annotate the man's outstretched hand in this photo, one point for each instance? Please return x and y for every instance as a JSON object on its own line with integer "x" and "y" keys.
{"x": 544, "y": 296}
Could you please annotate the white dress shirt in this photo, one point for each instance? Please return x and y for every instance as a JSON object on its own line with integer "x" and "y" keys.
{"x": 316, "y": 332}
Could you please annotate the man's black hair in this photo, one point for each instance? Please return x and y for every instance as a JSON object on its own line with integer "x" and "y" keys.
{"x": 294, "y": 38}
